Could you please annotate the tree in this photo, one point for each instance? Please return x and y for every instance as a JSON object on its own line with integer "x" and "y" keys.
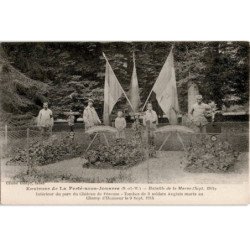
{"x": 220, "y": 69}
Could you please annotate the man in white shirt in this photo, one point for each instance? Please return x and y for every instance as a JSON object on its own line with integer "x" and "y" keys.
{"x": 45, "y": 120}
{"x": 90, "y": 116}
{"x": 198, "y": 112}
{"x": 150, "y": 121}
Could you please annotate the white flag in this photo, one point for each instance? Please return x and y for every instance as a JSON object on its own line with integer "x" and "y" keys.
{"x": 166, "y": 91}
{"x": 112, "y": 92}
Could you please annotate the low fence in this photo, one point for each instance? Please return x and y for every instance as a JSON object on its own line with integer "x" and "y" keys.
{"x": 10, "y": 134}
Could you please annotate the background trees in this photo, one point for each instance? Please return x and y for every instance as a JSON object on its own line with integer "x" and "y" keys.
{"x": 220, "y": 69}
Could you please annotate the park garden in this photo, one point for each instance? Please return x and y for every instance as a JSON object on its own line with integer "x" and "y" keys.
{"x": 66, "y": 75}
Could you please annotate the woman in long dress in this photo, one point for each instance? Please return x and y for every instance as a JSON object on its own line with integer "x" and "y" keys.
{"x": 90, "y": 116}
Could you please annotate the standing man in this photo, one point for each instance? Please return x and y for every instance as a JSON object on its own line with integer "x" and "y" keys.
{"x": 198, "y": 112}
{"x": 150, "y": 121}
{"x": 45, "y": 120}
{"x": 90, "y": 116}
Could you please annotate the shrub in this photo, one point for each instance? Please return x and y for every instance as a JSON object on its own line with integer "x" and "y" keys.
{"x": 47, "y": 151}
{"x": 209, "y": 154}
{"x": 120, "y": 153}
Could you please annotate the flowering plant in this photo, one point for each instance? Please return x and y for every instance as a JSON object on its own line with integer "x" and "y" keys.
{"x": 120, "y": 153}
{"x": 210, "y": 155}
{"x": 47, "y": 151}
{"x": 212, "y": 110}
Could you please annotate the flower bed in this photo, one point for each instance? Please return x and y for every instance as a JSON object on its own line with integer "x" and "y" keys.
{"x": 210, "y": 154}
{"x": 115, "y": 155}
{"x": 48, "y": 151}
{"x": 120, "y": 153}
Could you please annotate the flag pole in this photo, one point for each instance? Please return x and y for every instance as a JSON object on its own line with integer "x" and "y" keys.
{"x": 147, "y": 99}
{"x": 119, "y": 83}
{"x": 127, "y": 98}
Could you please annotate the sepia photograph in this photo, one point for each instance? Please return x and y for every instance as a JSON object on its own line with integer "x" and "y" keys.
{"x": 124, "y": 125}
{"x": 124, "y": 112}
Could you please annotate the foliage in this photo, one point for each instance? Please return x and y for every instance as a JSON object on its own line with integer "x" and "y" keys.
{"x": 41, "y": 178}
{"x": 21, "y": 97}
{"x": 120, "y": 153}
{"x": 213, "y": 110}
{"x": 220, "y": 69}
{"x": 209, "y": 154}
{"x": 47, "y": 151}
{"x": 138, "y": 130}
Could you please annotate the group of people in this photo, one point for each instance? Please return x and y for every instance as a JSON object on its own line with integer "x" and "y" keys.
{"x": 150, "y": 119}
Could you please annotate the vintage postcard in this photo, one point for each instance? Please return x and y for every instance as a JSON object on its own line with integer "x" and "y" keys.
{"x": 124, "y": 122}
